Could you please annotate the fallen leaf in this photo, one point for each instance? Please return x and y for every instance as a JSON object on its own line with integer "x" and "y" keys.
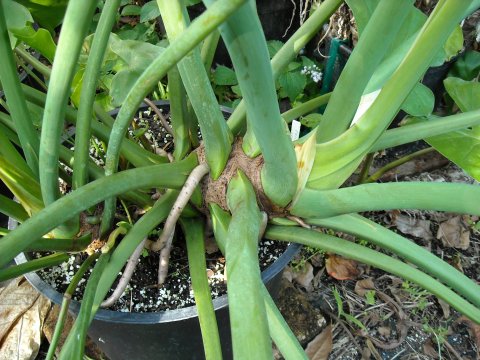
{"x": 413, "y": 226}
{"x": 445, "y": 308}
{"x": 362, "y": 286}
{"x": 211, "y": 246}
{"x": 429, "y": 349}
{"x": 454, "y": 233}
{"x": 341, "y": 268}
{"x": 22, "y": 310}
{"x": 304, "y": 277}
{"x": 320, "y": 347}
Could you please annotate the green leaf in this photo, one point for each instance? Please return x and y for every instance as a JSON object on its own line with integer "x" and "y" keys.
{"x": 467, "y": 66}
{"x": 131, "y": 10}
{"x": 454, "y": 43}
{"x": 18, "y": 17}
{"x": 370, "y": 297}
{"x": 362, "y": 10}
{"x": 311, "y": 120}
{"x": 420, "y": 101}
{"x": 461, "y": 147}
{"x": 273, "y": 47}
{"x": 48, "y": 13}
{"x": 191, "y": 2}
{"x": 121, "y": 84}
{"x": 224, "y": 76}
{"x": 149, "y": 11}
{"x": 466, "y": 94}
{"x": 40, "y": 40}
{"x": 292, "y": 84}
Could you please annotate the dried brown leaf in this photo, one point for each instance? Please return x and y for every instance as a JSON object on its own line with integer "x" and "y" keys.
{"x": 413, "y": 226}
{"x": 341, "y": 268}
{"x": 454, "y": 233}
{"x": 362, "y": 286}
{"x": 22, "y": 310}
{"x": 320, "y": 347}
{"x": 430, "y": 350}
{"x": 445, "y": 308}
{"x": 373, "y": 350}
{"x": 304, "y": 277}
{"x": 211, "y": 246}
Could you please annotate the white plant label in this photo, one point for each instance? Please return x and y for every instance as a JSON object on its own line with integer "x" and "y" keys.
{"x": 295, "y": 130}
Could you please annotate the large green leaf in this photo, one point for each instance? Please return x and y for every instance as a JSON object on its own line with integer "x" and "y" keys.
{"x": 292, "y": 84}
{"x": 18, "y": 17}
{"x": 420, "y": 101}
{"x": 466, "y": 94}
{"x": 149, "y": 11}
{"x": 224, "y": 76}
{"x": 136, "y": 56}
{"x": 40, "y": 40}
{"x": 48, "y": 13}
{"x": 463, "y": 146}
{"x": 467, "y": 66}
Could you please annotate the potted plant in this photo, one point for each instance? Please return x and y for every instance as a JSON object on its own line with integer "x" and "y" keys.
{"x": 266, "y": 181}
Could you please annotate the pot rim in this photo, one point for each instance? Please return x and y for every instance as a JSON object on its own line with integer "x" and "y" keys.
{"x": 152, "y": 317}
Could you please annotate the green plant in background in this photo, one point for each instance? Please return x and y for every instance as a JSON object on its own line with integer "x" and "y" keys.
{"x": 298, "y": 184}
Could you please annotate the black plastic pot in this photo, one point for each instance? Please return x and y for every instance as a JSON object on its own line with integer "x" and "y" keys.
{"x": 275, "y": 17}
{"x": 173, "y": 334}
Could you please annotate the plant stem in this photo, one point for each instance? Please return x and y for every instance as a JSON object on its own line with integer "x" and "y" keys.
{"x": 387, "y": 196}
{"x": 376, "y": 234}
{"x": 366, "y": 168}
{"x": 12, "y": 209}
{"x": 216, "y": 136}
{"x": 208, "y": 50}
{"x": 245, "y": 298}
{"x": 379, "y": 173}
{"x": 289, "y": 51}
{"x": 186, "y": 42}
{"x": 32, "y": 265}
{"x": 424, "y": 129}
{"x": 17, "y": 105}
{"x": 164, "y": 176}
{"x": 195, "y": 239}
{"x": 88, "y": 92}
{"x": 165, "y": 241}
{"x": 67, "y": 297}
{"x": 77, "y": 19}
{"x": 371, "y": 257}
{"x": 382, "y": 28}
{"x": 242, "y": 34}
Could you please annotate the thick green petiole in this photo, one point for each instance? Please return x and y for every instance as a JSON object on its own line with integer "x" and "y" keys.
{"x": 371, "y": 257}
{"x": 16, "y": 101}
{"x": 387, "y": 196}
{"x": 241, "y": 255}
{"x": 365, "y": 229}
{"x": 163, "y": 176}
{"x": 194, "y": 236}
{"x": 186, "y": 42}
{"x": 75, "y": 25}
{"x": 279, "y": 330}
{"x": 242, "y": 34}
{"x": 289, "y": 51}
{"x": 215, "y": 133}
{"x": 87, "y": 96}
{"x": 32, "y": 265}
